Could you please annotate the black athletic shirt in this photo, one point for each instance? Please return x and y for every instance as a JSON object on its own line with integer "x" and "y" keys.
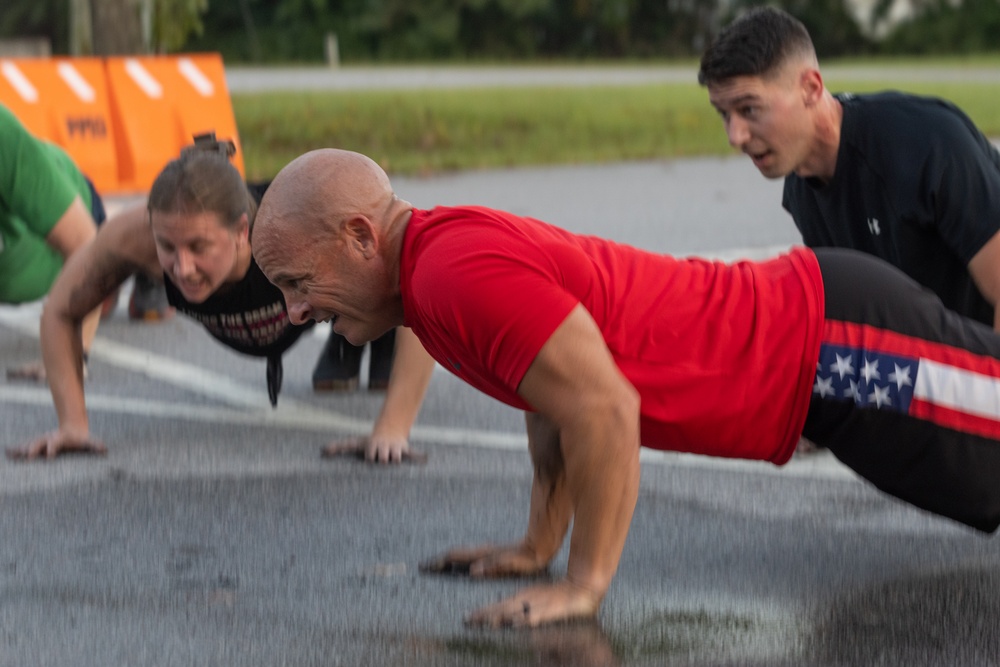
{"x": 248, "y": 316}
{"x": 917, "y": 184}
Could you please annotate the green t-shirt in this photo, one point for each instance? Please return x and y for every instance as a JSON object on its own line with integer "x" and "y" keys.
{"x": 38, "y": 182}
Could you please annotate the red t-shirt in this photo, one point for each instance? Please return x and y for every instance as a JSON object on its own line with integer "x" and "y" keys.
{"x": 723, "y": 356}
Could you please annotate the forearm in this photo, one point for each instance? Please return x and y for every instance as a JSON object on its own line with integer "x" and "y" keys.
{"x": 88, "y": 329}
{"x": 603, "y": 482}
{"x": 551, "y": 507}
{"x": 62, "y": 354}
{"x": 411, "y": 373}
{"x": 549, "y": 517}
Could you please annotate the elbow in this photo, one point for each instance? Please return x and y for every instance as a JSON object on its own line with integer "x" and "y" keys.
{"x": 628, "y": 405}
{"x": 621, "y": 417}
{"x": 49, "y": 315}
{"x": 55, "y": 316}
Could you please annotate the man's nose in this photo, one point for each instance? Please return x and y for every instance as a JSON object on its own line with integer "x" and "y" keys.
{"x": 736, "y": 130}
{"x": 299, "y": 311}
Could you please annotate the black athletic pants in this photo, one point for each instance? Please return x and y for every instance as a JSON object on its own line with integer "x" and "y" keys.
{"x": 907, "y": 393}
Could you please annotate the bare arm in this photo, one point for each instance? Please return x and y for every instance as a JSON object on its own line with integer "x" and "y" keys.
{"x": 124, "y": 245}
{"x": 985, "y": 270}
{"x": 411, "y": 372}
{"x": 74, "y": 230}
{"x": 548, "y": 519}
{"x": 587, "y": 468}
{"x": 389, "y": 442}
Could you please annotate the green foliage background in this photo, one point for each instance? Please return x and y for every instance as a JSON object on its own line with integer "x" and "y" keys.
{"x": 273, "y": 31}
{"x": 422, "y": 132}
{"x": 431, "y": 131}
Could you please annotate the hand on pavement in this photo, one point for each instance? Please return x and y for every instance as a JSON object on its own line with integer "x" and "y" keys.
{"x": 51, "y": 445}
{"x": 538, "y": 605}
{"x": 375, "y": 450}
{"x": 487, "y": 561}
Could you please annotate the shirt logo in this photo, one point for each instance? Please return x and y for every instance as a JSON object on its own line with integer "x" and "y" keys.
{"x": 873, "y": 226}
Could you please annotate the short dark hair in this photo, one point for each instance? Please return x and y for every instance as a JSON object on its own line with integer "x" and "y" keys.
{"x": 755, "y": 44}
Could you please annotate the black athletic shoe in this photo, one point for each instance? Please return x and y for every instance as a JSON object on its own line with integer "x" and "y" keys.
{"x": 338, "y": 366}
{"x": 380, "y": 365}
{"x": 148, "y": 302}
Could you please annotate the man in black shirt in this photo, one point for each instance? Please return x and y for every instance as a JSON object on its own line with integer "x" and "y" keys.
{"x": 905, "y": 178}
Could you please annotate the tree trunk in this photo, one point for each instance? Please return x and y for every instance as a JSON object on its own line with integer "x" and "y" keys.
{"x": 81, "y": 31}
{"x": 117, "y": 27}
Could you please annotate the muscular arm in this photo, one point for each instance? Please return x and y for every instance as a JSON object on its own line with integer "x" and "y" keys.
{"x": 123, "y": 246}
{"x": 587, "y": 469}
{"x": 985, "y": 270}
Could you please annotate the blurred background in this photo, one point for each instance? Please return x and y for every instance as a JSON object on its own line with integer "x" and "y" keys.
{"x": 384, "y": 31}
{"x": 309, "y": 73}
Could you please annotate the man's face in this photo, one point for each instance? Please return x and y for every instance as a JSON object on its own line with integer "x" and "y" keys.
{"x": 766, "y": 118}
{"x": 326, "y": 279}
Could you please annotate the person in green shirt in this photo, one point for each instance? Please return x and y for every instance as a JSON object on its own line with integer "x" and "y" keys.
{"x": 48, "y": 211}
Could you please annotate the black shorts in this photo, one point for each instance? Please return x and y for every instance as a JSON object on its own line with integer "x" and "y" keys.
{"x": 907, "y": 393}
{"x": 96, "y": 204}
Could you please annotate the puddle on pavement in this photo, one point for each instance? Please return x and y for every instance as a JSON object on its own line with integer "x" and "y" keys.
{"x": 661, "y": 639}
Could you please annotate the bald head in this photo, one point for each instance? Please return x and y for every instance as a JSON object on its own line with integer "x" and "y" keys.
{"x": 317, "y": 190}
{"x": 310, "y": 200}
{"x": 329, "y": 235}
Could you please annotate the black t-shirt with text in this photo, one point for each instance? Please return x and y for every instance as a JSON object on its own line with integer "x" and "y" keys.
{"x": 248, "y": 316}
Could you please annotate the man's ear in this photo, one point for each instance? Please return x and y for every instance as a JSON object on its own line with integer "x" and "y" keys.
{"x": 811, "y": 84}
{"x": 360, "y": 235}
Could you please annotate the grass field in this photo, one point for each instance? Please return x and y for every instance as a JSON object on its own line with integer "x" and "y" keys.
{"x": 426, "y": 132}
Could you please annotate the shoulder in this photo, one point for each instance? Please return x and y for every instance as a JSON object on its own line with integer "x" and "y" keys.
{"x": 20, "y": 144}
{"x": 461, "y": 254}
{"x": 892, "y": 128}
{"x": 127, "y": 240}
{"x": 890, "y": 114}
{"x": 445, "y": 242}
{"x": 448, "y": 236}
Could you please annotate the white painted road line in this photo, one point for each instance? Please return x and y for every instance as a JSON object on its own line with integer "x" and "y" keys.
{"x": 820, "y": 465}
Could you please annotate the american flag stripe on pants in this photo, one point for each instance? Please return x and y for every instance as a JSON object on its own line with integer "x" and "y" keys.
{"x": 881, "y": 369}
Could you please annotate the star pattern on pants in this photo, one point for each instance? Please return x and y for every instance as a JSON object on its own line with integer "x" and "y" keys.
{"x": 862, "y": 376}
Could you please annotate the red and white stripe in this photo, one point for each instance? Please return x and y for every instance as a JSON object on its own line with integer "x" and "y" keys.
{"x": 954, "y": 388}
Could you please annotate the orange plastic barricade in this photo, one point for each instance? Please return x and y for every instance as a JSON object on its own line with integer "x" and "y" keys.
{"x": 159, "y": 103}
{"x": 65, "y": 100}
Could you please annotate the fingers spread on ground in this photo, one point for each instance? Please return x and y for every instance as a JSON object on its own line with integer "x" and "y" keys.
{"x": 511, "y": 613}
